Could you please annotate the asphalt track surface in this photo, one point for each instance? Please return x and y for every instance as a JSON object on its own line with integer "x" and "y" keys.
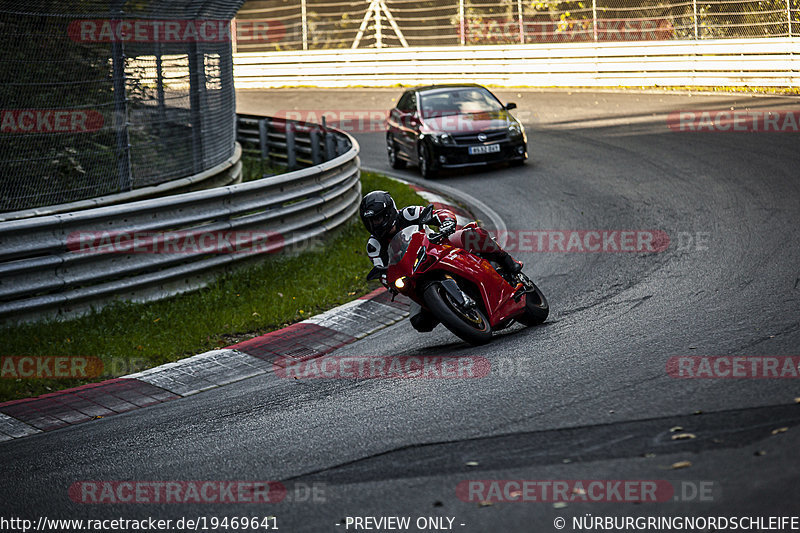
{"x": 585, "y": 396}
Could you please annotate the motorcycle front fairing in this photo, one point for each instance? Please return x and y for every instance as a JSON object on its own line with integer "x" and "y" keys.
{"x": 411, "y": 249}
{"x": 497, "y": 294}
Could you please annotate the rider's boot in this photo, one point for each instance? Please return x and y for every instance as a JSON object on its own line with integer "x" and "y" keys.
{"x": 509, "y": 267}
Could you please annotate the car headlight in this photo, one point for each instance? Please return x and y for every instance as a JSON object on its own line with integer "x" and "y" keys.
{"x": 443, "y": 138}
{"x": 515, "y": 130}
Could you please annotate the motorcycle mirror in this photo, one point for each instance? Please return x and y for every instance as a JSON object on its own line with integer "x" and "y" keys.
{"x": 375, "y": 273}
{"x": 426, "y": 217}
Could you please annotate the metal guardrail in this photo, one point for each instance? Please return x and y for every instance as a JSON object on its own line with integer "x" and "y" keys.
{"x": 287, "y": 142}
{"x": 724, "y": 62}
{"x": 41, "y": 274}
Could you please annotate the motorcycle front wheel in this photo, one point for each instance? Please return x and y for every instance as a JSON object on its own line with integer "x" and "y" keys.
{"x": 470, "y": 325}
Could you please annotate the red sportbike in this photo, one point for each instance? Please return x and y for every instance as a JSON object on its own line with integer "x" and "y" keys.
{"x": 461, "y": 290}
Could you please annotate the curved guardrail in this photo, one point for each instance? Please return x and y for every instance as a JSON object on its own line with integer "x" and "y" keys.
{"x": 727, "y": 62}
{"x": 45, "y": 270}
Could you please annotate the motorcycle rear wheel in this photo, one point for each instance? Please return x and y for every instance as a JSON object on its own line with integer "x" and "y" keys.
{"x": 471, "y": 326}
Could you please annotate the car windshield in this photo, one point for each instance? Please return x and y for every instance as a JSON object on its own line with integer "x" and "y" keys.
{"x": 399, "y": 244}
{"x": 467, "y": 100}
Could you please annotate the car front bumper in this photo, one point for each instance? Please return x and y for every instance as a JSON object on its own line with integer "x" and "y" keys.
{"x": 444, "y": 156}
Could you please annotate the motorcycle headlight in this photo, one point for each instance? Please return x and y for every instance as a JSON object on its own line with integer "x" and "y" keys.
{"x": 443, "y": 138}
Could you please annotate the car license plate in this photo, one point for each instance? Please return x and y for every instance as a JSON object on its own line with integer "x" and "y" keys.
{"x": 484, "y": 149}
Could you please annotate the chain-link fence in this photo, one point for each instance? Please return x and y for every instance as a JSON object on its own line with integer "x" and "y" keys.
{"x": 105, "y": 96}
{"x": 272, "y": 25}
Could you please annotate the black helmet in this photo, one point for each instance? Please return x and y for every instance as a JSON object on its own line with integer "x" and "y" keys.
{"x": 378, "y": 212}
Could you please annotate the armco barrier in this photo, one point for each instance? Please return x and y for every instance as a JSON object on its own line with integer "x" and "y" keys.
{"x": 724, "y": 62}
{"x": 41, "y": 276}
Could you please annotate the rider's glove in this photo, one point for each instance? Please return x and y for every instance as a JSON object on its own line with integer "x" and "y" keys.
{"x": 448, "y": 227}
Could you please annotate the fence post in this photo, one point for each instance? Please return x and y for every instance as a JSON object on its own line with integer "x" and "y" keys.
{"x": 121, "y": 117}
{"x": 160, "y": 84}
{"x": 315, "y": 151}
{"x": 594, "y": 19}
{"x": 263, "y": 138}
{"x": 378, "y": 27}
{"x": 461, "y": 23}
{"x": 330, "y": 149}
{"x": 521, "y": 23}
{"x": 304, "y": 23}
{"x": 291, "y": 156}
{"x": 789, "y": 16}
{"x": 694, "y": 7}
{"x": 197, "y": 84}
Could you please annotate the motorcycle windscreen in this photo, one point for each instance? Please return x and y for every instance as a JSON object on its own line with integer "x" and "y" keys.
{"x": 399, "y": 244}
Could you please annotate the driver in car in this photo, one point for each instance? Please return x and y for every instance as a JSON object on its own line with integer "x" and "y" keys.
{"x": 383, "y": 220}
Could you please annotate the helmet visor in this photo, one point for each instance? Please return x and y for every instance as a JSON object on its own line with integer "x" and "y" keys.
{"x": 379, "y": 223}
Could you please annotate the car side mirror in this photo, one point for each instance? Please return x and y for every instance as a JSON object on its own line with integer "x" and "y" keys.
{"x": 375, "y": 273}
{"x": 426, "y": 217}
{"x": 510, "y": 106}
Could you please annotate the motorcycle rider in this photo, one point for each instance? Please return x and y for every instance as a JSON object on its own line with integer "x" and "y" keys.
{"x": 383, "y": 220}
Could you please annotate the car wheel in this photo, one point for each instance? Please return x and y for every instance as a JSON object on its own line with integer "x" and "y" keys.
{"x": 425, "y": 163}
{"x": 394, "y": 161}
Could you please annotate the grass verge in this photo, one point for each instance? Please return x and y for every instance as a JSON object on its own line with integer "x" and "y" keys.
{"x": 129, "y": 337}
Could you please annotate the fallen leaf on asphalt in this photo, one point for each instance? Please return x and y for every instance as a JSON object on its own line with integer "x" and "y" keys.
{"x": 681, "y": 464}
{"x": 759, "y": 453}
{"x": 472, "y": 463}
{"x": 698, "y": 412}
{"x": 780, "y": 430}
{"x": 683, "y": 436}
{"x": 577, "y": 490}
{"x": 675, "y": 428}
{"x": 559, "y": 505}
{"x": 797, "y": 400}
{"x": 484, "y": 503}
{"x": 649, "y": 455}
